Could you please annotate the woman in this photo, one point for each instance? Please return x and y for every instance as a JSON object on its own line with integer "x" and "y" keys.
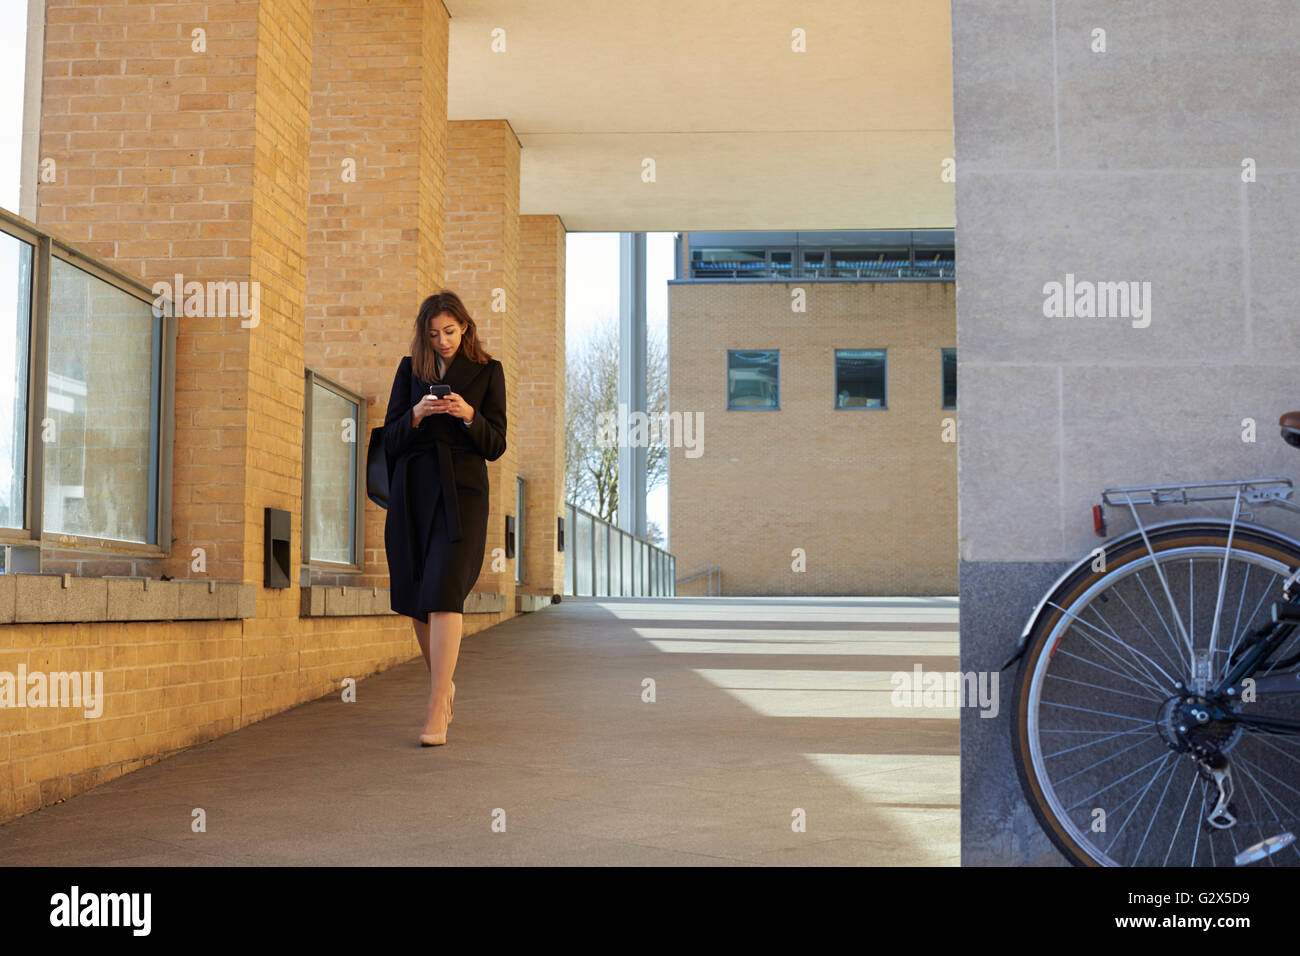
{"x": 438, "y": 448}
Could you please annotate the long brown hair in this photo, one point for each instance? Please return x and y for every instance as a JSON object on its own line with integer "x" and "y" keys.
{"x": 423, "y": 358}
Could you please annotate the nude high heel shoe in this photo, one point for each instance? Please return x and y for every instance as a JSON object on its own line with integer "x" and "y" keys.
{"x": 437, "y": 740}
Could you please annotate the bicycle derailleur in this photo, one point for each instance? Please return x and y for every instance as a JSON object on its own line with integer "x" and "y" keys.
{"x": 1201, "y": 729}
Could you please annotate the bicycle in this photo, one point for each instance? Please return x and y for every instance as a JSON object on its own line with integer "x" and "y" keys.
{"x": 1156, "y": 720}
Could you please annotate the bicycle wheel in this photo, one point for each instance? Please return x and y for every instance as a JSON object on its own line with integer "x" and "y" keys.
{"x": 1113, "y": 767}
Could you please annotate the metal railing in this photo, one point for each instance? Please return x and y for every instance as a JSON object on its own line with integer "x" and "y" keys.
{"x": 707, "y": 570}
{"x": 601, "y": 560}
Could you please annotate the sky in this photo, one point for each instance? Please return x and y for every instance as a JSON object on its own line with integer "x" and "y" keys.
{"x": 591, "y": 281}
{"x": 591, "y": 294}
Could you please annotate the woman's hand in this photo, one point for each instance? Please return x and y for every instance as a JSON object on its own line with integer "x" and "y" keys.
{"x": 453, "y": 404}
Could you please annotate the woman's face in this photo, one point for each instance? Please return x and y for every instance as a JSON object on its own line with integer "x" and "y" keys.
{"x": 444, "y": 335}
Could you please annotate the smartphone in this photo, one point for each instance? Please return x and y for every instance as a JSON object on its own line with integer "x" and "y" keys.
{"x": 439, "y": 390}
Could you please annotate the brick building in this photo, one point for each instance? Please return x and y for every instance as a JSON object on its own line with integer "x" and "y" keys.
{"x": 823, "y": 369}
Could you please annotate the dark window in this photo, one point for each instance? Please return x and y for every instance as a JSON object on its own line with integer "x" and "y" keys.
{"x": 860, "y": 378}
{"x": 753, "y": 379}
{"x": 949, "y": 378}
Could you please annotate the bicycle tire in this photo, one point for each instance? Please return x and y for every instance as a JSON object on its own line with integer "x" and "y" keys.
{"x": 1065, "y": 615}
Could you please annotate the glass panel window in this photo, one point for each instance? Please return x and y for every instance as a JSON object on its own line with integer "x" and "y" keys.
{"x": 753, "y": 379}
{"x": 333, "y": 476}
{"x": 101, "y": 459}
{"x": 15, "y": 330}
{"x": 885, "y": 263}
{"x": 728, "y": 263}
{"x": 814, "y": 264}
{"x": 949, "y": 378}
{"x": 860, "y": 378}
{"x": 934, "y": 251}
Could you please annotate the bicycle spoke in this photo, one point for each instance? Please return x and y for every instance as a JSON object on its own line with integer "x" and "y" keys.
{"x": 1160, "y": 803}
{"x": 1093, "y": 766}
{"x": 1157, "y": 644}
{"x": 1093, "y": 743}
{"x": 1178, "y": 828}
{"x": 1116, "y": 639}
{"x": 1095, "y": 794}
{"x": 1142, "y": 795}
{"x": 1240, "y": 603}
{"x": 1100, "y": 713}
{"x": 1103, "y": 667}
{"x": 1129, "y": 648}
{"x": 1105, "y": 690}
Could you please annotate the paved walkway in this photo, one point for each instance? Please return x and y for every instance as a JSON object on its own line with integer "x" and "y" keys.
{"x": 763, "y": 707}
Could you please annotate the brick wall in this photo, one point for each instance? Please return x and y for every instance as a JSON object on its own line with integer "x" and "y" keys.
{"x": 168, "y": 685}
{"x": 375, "y": 230}
{"x": 869, "y": 494}
{"x": 539, "y": 431}
{"x": 482, "y": 216}
{"x": 154, "y": 147}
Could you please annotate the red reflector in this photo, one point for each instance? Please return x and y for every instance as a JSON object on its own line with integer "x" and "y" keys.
{"x": 1098, "y": 521}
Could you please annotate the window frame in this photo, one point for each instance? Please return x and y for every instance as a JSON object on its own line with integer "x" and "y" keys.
{"x": 361, "y": 438}
{"x": 162, "y": 432}
{"x": 884, "y": 380}
{"x": 942, "y": 353}
{"x": 726, "y": 383}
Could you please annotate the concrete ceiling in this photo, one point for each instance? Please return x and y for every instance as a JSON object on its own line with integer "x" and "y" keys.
{"x": 744, "y": 133}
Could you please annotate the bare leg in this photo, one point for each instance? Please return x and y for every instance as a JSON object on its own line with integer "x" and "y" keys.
{"x": 422, "y": 638}
{"x": 444, "y": 650}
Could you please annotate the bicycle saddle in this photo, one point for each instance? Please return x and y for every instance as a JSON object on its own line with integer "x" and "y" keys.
{"x": 1290, "y": 423}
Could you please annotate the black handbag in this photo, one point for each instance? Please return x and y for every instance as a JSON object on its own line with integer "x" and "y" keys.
{"x": 379, "y": 470}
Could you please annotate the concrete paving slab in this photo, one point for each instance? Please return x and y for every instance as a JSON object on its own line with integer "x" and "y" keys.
{"x": 760, "y": 706}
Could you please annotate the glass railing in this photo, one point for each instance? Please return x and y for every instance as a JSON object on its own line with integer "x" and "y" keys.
{"x": 601, "y": 560}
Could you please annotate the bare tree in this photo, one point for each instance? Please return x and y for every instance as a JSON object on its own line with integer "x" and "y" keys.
{"x": 591, "y": 471}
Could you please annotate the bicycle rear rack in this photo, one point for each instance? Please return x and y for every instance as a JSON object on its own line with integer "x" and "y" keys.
{"x": 1252, "y": 490}
{"x": 1255, "y": 491}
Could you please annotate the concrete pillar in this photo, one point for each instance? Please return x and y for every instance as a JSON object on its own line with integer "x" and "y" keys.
{"x": 1138, "y": 165}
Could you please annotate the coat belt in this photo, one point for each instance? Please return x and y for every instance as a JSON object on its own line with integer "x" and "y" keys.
{"x": 450, "y": 503}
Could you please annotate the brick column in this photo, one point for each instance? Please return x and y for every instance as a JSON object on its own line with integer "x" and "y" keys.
{"x": 482, "y": 268}
{"x": 176, "y": 160}
{"x": 539, "y": 418}
{"x": 375, "y": 223}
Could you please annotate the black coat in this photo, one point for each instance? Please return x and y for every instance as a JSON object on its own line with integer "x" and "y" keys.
{"x": 435, "y": 553}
